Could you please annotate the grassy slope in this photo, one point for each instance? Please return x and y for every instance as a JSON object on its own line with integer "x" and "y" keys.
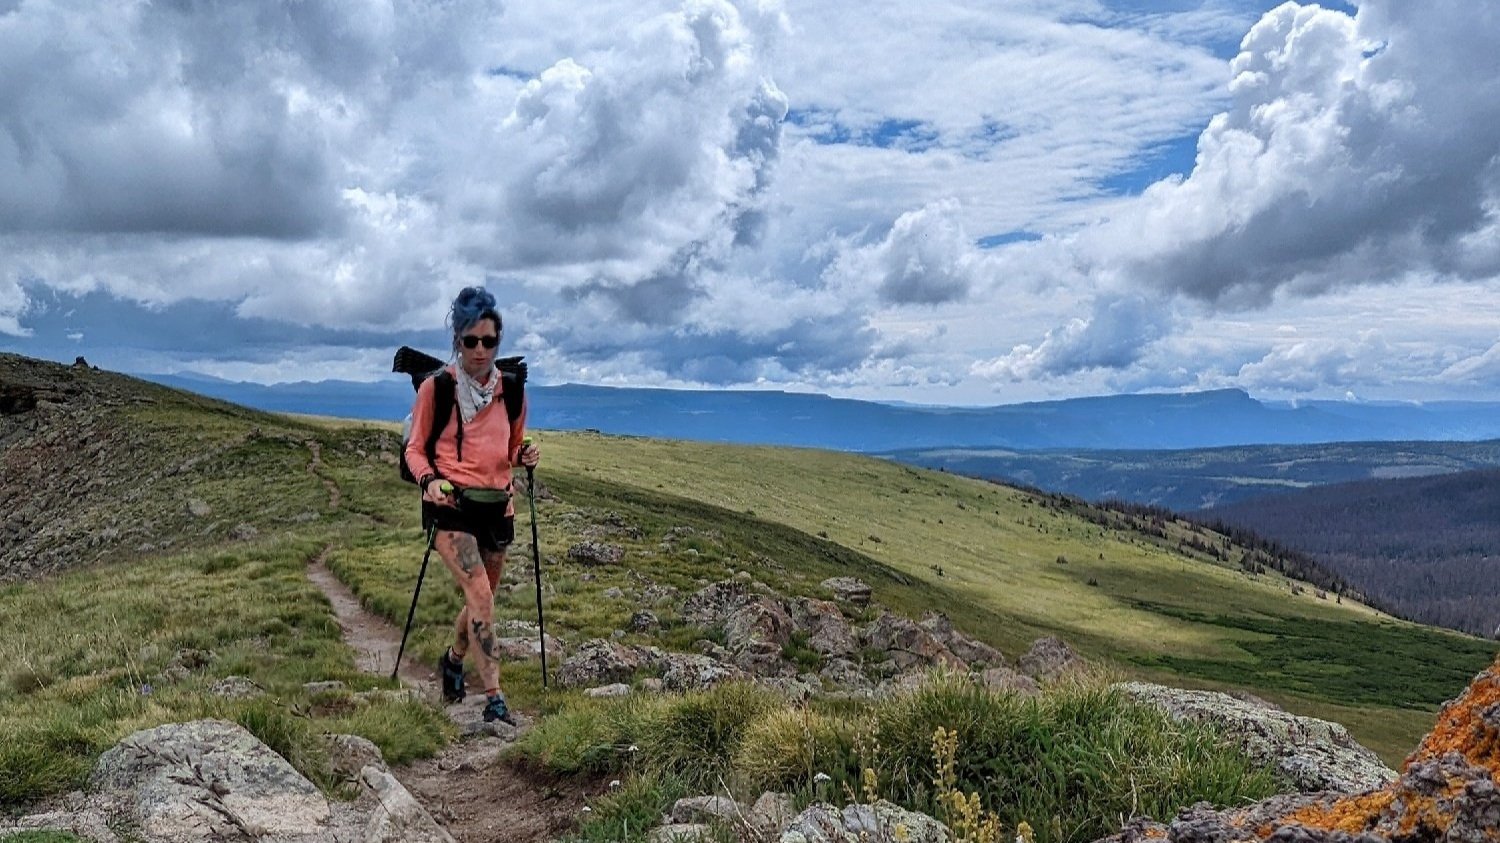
{"x": 80, "y": 645}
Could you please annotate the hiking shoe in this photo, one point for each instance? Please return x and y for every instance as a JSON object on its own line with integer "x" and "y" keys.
{"x": 496, "y": 709}
{"x": 453, "y": 678}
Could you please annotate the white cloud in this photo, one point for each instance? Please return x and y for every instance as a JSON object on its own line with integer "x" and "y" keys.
{"x": 1483, "y": 368}
{"x": 1113, "y": 336}
{"x": 926, "y": 258}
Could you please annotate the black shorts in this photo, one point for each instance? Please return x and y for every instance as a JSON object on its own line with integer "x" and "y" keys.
{"x": 487, "y": 523}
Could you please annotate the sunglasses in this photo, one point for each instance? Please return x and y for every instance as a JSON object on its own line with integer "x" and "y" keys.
{"x": 471, "y": 340}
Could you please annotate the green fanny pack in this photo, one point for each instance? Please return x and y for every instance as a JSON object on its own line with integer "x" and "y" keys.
{"x": 485, "y": 496}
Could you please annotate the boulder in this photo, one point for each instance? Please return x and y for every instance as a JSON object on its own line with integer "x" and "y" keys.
{"x": 848, "y": 590}
{"x": 596, "y": 553}
{"x": 599, "y": 662}
{"x": 770, "y": 813}
{"x": 523, "y": 648}
{"x": 1048, "y": 659}
{"x": 908, "y": 644}
{"x": 689, "y": 672}
{"x": 618, "y": 689}
{"x": 236, "y": 688}
{"x": 756, "y": 633}
{"x": 399, "y": 818}
{"x": 349, "y": 755}
{"x": 845, "y": 675}
{"x": 210, "y": 780}
{"x": 1446, "y": 792}
{"x": 1005, "y": 680}
{"x": 1314, "y": 754}
{"x": 974, "y": 652}
{"x": 828, "y": 634}
{"x": 711, "y": 606}
{"x": 882, "y": 822}
{"x": 680, "y": 833}
{"x": 644, "y": 620}
{"x": 705, "y": 809}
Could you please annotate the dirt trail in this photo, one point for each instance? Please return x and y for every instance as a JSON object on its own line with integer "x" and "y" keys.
{"x": 468, "y": 788}
{"x": 315, "y": 448}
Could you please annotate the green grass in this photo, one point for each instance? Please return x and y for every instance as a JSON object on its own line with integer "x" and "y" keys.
{"x": 1070, "y": 763}
{"x": 41, "y": 837}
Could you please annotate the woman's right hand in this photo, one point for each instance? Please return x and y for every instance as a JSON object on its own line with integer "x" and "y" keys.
{"x": 434, "y": 493}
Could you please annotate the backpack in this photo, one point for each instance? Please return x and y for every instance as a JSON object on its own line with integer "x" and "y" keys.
{"x": 422, "y": 366}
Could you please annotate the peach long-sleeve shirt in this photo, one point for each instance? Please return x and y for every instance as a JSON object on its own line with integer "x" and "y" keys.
{"x": 492, "y": 444}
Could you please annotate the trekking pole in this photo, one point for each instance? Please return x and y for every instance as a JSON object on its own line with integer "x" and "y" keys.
{"x": 536, "y": 559}
{"x": 410, "y": 613}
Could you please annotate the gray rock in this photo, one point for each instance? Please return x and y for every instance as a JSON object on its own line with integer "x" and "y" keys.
{"x": 845, "y": 675}
{"x": 599, "y": 662}
{"x": 399, "y": 818}
{"x": 1005, "y": 680}
{"x": 680, "y": 833}
{"x": 689, "y": 672}
{"x": 828, "y": 634}
{"x": 770, "y": 813}
{"x": 705, "y": 809}
{"x": 848, "y": 590}
{"x": 236, "y": 688}
{"x": 1315, "y": 754}
{"x": 619, "y": 689}
{"x": 644, "y": 620}
{"x": 653, "y": 685}
{"x": 908, "y": 644}
{"x": 756, "y": 633}
{"x": 314, "y": 688}
{"x": 198, "y": 508}
{"x": 210, "y": 780}
{"x": 524, "y": 648}
{"x": 243, "y": 532}
{"x": 614, "y": 593}
{"x": 348, "y": 755}
{"x": 596, "y": 553}
{"x": 712, "y": 605}
{"x": 1048, "y": 659}
{"x": 971, "y": 650}
{"x": 882, "y": 822}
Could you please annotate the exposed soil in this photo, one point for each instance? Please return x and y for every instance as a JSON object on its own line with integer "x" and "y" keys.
{"x": 468, "y": 788}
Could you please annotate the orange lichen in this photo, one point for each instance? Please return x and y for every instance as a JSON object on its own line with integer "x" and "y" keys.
{"x": 1460, "y": 727}
{"x": 1352, "y": 815}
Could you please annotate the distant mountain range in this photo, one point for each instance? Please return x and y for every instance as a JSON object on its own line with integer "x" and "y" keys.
{"x": 1127, "y": 422}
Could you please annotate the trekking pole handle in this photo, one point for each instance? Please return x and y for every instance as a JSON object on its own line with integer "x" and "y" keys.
{"x": 526, "y": 443}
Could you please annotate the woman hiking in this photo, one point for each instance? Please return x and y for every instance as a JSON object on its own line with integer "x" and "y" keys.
{"x": 466, "y": 488}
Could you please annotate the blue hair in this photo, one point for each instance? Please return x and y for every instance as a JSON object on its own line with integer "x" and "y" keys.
{"x": 471, "y": 305}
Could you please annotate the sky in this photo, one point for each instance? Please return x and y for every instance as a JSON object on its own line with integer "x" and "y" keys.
{"x": 941, "y": 202}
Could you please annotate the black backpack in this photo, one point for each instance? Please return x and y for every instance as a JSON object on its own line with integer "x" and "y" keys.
{"x": 422, "y": 366}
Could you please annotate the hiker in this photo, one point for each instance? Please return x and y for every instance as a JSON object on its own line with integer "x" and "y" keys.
{"x": 473, "y": 456}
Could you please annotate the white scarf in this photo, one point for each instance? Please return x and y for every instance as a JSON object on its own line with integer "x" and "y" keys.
{"x": 472, "y": 397}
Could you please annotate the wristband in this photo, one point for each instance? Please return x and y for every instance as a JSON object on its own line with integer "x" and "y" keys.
{"x": 426, "y": 478}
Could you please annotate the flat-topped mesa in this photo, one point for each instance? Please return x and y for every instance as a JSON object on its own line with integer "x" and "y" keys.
{"x": 1449, "y": 790}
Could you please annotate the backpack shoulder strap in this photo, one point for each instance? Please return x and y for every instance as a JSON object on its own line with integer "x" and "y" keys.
{"x": 444, "y": 388}
{"x": 513, "y": 385}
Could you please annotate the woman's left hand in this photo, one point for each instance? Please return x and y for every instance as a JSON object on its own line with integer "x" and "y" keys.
{"x": 530, "y": 455}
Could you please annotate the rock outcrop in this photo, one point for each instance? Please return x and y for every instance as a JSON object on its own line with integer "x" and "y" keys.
{"x": 1449, "y": 790}
{"x": 1314, "y": 754}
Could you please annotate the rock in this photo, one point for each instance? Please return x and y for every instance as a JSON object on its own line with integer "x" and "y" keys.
{"x": 653, "y": 685}
{"x": 236, "y": 688}
{"x": 614, "y": 593}
{"x": 325, "y": 687}
{"x": 644, "y": 621}
{"x": 882, "y": 822}
{"x": 399, "y": 817}
{"x": 596, "y": 553}
{"x": 210, "y": 780}
{"x": 796, "y": 689}
{"x": 704, "y": 809}
{"x": 655, "y": 595}
{"x": 972, "y": 651}
{"x": 848, "y": 590}
{"x": 1005, "y": 680}
{"x": 388, "y": 695}
{"x": 348, "y": 755}
{"x": 1447, "y": 792}
{"x": 680, "y": 833}
{"x": 770, "y": 813}
{"x": 243, "y": 532}
{"x": 828, "y": 634}
{"x": 688, "y": 672}
{"x": 845, "y": 675}
{"x": 756, "y": 634}
{"x": 198, "y": 508}
{"x": 521, "y": 649}
{"x": 619, "y": 689}
{"x": 1049, "y": 658}
{"x": 1314, "y": 754}
{"x": 599, "y": 662}
{"x": 712, "y": 605}
{"x": 908, "y": 644}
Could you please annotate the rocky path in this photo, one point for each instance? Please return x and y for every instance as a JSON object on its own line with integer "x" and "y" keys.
{"x": 468, "y": 788}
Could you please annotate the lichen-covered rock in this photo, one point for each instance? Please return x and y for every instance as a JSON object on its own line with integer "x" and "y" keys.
{"x": 522, "y": 648}
{"x": 599, "y": 662}
{"x": 1049, "y": 658}
{"x": 210, "y": 780}
{"x": 908, "y": 644}
{"x": 882, "y": 822}
{"x": 845, "y": 675}
{"x": 236, "y": 688}
{"x": 1446, "y": 792}
{"x": 690, "y": 672}
{"x": 596, "y": 553}
{"x": 399, "y": 818}
{"x": 712, "y": 605}
{"x": 349, "y": 755}
{"x": 618, "y": 689}
{"x": 759, "y": 625}
{"x": 849, "y": 590}
{"x": 770, "y": 813}
{"x": 1314, "y": 754}
{"x": 704, "y": 809}
{"x": 1005, "y": 680}
{"x": 828, "y": 634}
{"x": 973, "y": 651}
{"x": 680, "y": 833}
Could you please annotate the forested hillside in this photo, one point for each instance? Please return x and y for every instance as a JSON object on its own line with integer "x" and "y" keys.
{"x": 1426, "y": 547}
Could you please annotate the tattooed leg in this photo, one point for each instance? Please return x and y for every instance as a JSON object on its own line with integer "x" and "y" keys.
{"x": 460, "y": 552}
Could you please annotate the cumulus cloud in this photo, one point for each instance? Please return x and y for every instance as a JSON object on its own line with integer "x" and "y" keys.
{"x": 1358, "y": 149}
{"x": 1483, "y": 368}
{"x": 1313, "y": 365}
{"x": 925, "y": 258}
{"x": 1114, "y": 335}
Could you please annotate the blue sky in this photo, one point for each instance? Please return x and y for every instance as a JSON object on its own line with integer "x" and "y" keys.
{"x": 961, "y": 202}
